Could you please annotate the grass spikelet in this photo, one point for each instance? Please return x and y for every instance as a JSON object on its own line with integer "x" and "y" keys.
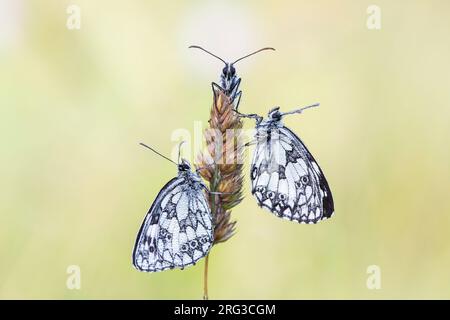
{"x": 222, "y": 166}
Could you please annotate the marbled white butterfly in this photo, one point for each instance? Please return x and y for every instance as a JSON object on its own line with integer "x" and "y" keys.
{"x": 177, "y": 230}
{"x": 285, "y": 178}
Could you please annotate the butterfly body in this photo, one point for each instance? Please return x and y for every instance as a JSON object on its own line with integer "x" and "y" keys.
{"x": 229, "y": 83}
{"x": 285, "y": 177}
{"x": 177, "y": 230}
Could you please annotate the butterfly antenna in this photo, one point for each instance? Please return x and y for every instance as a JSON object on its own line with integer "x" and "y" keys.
{"x": 301, "y": 109}
{"x": 144, "y": 145}
{"x": 250, "y": 54}
{"x": 198, "y": 47}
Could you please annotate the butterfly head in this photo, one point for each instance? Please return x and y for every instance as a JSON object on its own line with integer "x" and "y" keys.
{"x": 228, "y": 77}
{"x": 192, "y": 177}
{"x": 228, "y": 72}
{"x": 184, "y": 166}
{"x": 275, "y": 114}
{"x": 273, "y": 120}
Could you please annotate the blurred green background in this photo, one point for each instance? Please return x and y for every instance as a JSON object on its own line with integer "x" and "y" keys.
{"x": 75, "y": 185}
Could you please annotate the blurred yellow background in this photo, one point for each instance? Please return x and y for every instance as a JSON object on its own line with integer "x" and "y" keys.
{"x": 75, "y": 185}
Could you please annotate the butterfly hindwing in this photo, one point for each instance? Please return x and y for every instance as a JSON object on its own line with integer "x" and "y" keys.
{"x": 287, "y": 180}
{"x": 177, "y": 230}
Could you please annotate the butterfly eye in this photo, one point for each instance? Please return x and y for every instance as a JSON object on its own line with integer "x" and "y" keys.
{"x": 304, "y": 179}
{"x": 276, "y": 115}
{"x": 232, "y": 71}
{"x": 193, "y": 244}
{"x": 224, "y": 70}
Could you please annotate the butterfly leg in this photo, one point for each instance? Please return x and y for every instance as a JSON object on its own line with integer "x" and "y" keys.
{"x": 214, "y": 192}
{"x": 238, "y": 99}
{"x": 250, "y": 143}
{"x": 251, "y": 116}
{"x": 235, "y": 93}
{"x": 215, "y": 88}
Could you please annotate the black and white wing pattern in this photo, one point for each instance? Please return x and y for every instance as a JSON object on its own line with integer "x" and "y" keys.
{"x": 177, "y": 230}
{"x": 288, "y": 181}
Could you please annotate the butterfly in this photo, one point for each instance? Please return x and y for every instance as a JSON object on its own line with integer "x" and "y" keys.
{"x": 229, "y": 81}
{"x": 285, "y": 177}
{"x": 177, "y": 230}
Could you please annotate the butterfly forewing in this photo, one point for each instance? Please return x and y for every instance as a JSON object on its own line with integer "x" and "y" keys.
{"x": 287, "y": 180}
{"x": 177, "y": 230}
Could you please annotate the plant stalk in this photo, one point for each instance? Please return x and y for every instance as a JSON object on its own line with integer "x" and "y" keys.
{"x": 205, "y": 279}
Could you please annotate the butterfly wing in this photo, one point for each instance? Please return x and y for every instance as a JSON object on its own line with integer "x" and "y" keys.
{"x": 177, "y": 230}
{"x": 288, "y": 181}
